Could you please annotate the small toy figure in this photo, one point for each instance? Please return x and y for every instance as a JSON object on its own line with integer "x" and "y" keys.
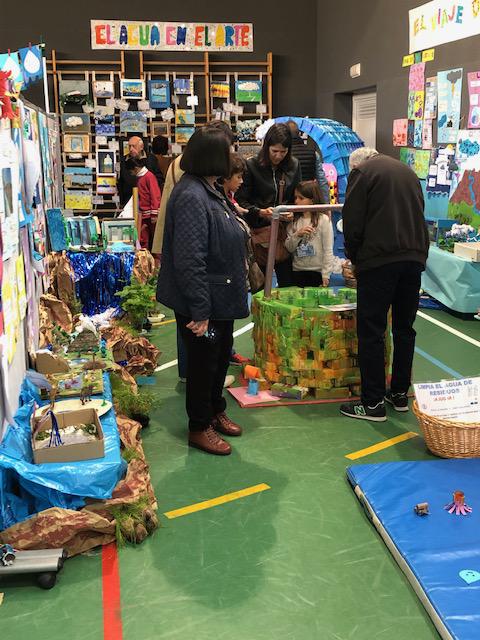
{"x": 421, "y": 509}
{"x": 86, "y": 395}
{"x": 458, "y": 505}
{"x": 7, "y": 555}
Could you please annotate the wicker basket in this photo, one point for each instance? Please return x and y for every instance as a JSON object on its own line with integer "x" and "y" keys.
{"x": 449, "y": 439}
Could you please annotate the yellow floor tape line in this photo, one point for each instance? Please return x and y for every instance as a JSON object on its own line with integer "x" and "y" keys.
{"x": 207, "y": 504}
{"x": 381, "y": 445}
{"x": 160, "y": 324}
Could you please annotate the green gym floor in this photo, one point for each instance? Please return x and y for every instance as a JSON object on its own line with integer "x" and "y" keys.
{"x": 299, "y": 561}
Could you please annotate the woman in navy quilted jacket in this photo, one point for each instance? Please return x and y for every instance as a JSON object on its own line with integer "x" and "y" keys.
{"x": 203, "y": 279}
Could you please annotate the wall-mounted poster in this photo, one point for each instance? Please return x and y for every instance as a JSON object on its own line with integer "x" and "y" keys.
{"x": 132, "y": 89}
{"x": 106, "y": 163}
{"x": 159, "y": 94}
{"x": 449, "y": 103}
{"x": 474, "y": 99}
{"x": 430, "y": 111}
{"x": 468, "y": 146}
{"x": 32, "y": 64}
{"x": 438, "y": 21}
{"x": 439, "y": 178}
{"x": 248, "y": 90}
{"x": 464, "y": 200}
{"x": 427, "y": 134}
{"x": 400, "y": 132}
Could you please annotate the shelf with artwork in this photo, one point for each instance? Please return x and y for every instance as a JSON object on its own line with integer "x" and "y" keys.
{"x": 85, "y": 93}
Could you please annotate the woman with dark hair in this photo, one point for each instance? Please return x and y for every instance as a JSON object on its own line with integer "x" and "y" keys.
{"x": 203, "y": 279}
{"x": 270, "y": 180}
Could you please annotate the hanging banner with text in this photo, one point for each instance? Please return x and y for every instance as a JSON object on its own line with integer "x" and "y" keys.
{"x": 443, "y": 21}
{"x": 171, "y": 36}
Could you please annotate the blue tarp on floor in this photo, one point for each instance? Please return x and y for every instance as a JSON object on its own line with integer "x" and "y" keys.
{"x": 437, "y": 547}
{"x": 27, "y": 488}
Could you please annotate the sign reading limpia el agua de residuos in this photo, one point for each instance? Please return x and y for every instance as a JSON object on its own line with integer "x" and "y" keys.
{"x": 171, "y": 36}
{"x": 443, "y": 21}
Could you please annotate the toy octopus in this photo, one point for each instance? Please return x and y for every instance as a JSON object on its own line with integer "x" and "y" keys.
{"x": 5, "y": 103}
{"x": 458, "y": 505}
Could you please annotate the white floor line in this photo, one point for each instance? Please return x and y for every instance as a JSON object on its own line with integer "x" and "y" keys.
{"x": 172, "y": 363}
{"x": 454, "y": 332}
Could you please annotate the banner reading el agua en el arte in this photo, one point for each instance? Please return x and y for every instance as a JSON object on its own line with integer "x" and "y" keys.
{"x": 171, "y": 36}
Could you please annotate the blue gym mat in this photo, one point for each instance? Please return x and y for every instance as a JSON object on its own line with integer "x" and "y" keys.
{"x": 432, "y": 550}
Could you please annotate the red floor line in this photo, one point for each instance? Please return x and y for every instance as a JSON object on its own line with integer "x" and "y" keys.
{"x": 112, "y": 612}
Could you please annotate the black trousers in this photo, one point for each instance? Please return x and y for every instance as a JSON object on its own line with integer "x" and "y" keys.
{"x": 307, "y": 278}
{"x": 393, "y": 285}
{"x": 208, "y": 359}
{"x": 284, "y": 272}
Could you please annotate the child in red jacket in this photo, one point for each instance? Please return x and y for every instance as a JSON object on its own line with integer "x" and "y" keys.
{"x": 149, "y": 197}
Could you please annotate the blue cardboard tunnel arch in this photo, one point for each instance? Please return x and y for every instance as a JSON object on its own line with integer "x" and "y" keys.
{"x": 336, "y": 142}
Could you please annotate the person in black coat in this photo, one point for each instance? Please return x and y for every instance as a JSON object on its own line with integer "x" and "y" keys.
{"x": 261, "y": 190}
{"x": 386, "y": 239}
{"x": 203, "y": 279}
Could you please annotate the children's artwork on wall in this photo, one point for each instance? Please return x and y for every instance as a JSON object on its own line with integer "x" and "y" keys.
{"x": 56, "y": 230}
{"x": 220, "y": 89}
{"x": 411, "y": 105}
{"x": 182, "y": 86}
{"x": 464, "y": 201}
{"x": 421, "y": 164}
{"x": 161, "y": 129}
{"x": 416, "y": 80}
{"x": 159, "y": 94}
{"x": 103, "y": 89}
{"x": 417, "y": 134}
{"x": 78, "y": 177}
{"x": 21, "y": 289}
{"x": 106, "y": 185}
{"x": 468, "y": 146}
{"x": 132, "y": 89}
{"x": 184, "y": 117}
{"x": 474, "y": 99}
{"x": 11, "y": 62}
{"x": 248, "y": 90}
{"x": 183, "y": 134}
{"x": 32, "y": 64}
{"x": 74, "y": 92}
{"x": 78, "y": 200}
{"x": 9, "y": 189}
{"x": 133, "y": 122}
{"x": 427, "y": 134}
{"x": 449, "y": 103}
{"x": 408, "y": 157}
{"x": 75, "y": 122}
{"x": 104, "y": 122}
{"x": 419, "y": 105}
{"x": 400, "y": 132}
{"x": 246, "y": 129}
{"x": 411, "y": 133}
{"x": 439, "y": 178}
{"x": 105, "y": 129}
{"x": 11, "y": 316}
{"x": 76, "y": 143}
{"x": 106, "y": 163}
{"x": 430, "y": 111}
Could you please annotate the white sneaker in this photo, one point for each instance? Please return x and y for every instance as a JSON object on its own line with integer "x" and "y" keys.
{"x": 229, "y": 380}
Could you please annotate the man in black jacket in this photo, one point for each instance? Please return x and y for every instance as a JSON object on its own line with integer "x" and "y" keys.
{"x": 386, "y": 239}
{"x": 126, "y": 181}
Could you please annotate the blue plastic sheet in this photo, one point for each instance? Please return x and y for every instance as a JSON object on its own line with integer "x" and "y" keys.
{"x": 453, "y": 281}
{"x": 27, "y": 488}
{"x": 99, "y": 277}
{"x": 336, "y": 142}
{"x": 437, "y": 547}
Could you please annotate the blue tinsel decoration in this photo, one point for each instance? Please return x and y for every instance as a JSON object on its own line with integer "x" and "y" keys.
{"x": 99, "y": 276}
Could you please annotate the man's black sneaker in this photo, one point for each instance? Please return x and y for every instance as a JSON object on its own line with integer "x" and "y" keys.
{"x": 399, "y": 401}
{"x": 360, "y": 411}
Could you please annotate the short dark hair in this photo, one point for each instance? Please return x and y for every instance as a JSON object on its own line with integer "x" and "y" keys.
{"x": 207, "y": 154}
{"x": 237, "y": 164}
{"x": 160, "y": 145}
{"x": 220, "y": 125}
{"x": 293, "y": 126}
{"x": 277, "y": 134}
{"x": 135, "y": 163}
